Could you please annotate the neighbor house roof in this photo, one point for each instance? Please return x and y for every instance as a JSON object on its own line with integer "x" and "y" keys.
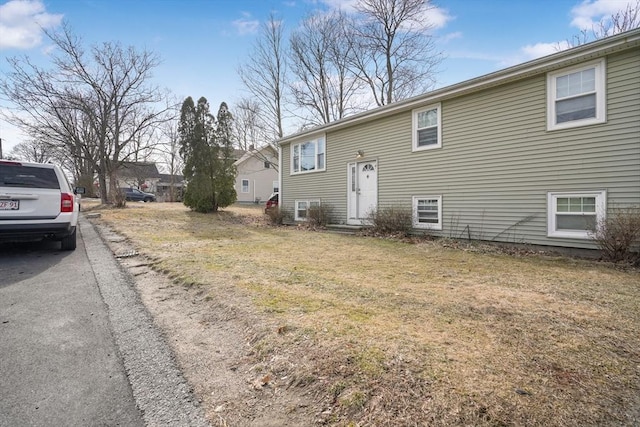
{"x": 138, "y": 170}
{"x": 256, "y": 153}
{"x": 561, "y": 59}
{"x": 166, "y": 177}
{"x": 238, "y": 153}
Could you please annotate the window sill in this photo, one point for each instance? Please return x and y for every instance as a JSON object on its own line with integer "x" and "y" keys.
{"x": 583, "y": 235}
{"x": 576, "y": 124}
{"x": 306, "y": 172}
{"x": 428, "y": 147}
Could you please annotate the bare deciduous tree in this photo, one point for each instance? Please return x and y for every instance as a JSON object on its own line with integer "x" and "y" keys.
{"x": 94, "y": 104}
{"x": 395, "y": 56}
{"x": 264, "y": 74}
{"x": 619, "y": 22}
{"x": 623, "y": 20}
{"x": 250, "y": 130}
{"x": 32, "y": 150}
{"x": 324, "y": 87}
{"x": 170, "y": 155}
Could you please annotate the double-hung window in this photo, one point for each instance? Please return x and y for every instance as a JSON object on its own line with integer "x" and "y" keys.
{"x": 302, "y": 208}
{"x": 245, "y": 185}
{"x": 308, "y": 156}
{"x": 576, "y": 96}
{"x": 427, "y": 129}
{"x": 575, "y": 215}
{"x": 427, "y": 212}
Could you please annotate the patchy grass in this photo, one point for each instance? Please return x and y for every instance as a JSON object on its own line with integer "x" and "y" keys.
{"x": 387, "y": 332}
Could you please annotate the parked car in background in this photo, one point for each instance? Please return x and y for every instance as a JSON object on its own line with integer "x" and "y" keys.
{"x": 135, "y": 195}
{"x": 37, "y": 203}
{"x": 272, "y": 202}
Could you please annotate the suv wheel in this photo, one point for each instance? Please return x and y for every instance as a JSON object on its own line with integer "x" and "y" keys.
{"x": 69, "y": 243}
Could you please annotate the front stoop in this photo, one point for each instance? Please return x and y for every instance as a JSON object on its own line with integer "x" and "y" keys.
{"x": 343, "y": 228}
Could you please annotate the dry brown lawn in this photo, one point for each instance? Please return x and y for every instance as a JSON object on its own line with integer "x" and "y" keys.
{"x": 387, "y": 332}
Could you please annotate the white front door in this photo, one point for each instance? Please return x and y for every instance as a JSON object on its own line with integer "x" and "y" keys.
{"x": 363, "y": 190}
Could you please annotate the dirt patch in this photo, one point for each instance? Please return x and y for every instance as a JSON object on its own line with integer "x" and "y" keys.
{"x": 212, "y": 340}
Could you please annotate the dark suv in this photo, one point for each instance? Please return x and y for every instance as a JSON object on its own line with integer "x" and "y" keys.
{"x": 36, "y": 203}
{"x": 135, "y": 195}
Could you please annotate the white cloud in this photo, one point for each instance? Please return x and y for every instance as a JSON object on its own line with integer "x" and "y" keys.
{"x": 246, "y": 24}
{"x": 438, "y": 17}
{"x": 585, "y": 16}
{"x": 435, "y": 17}
{"x": 533, "y": 51}
{"x": 539, "y": 49}
{"x": 590, "y": 12}
{"x": 451, "y": 36}
{"x": 348, "y": 6}
{"x": 22, "y": 21}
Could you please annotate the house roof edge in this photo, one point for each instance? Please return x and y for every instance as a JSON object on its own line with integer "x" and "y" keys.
{"x": 595, "y": 49}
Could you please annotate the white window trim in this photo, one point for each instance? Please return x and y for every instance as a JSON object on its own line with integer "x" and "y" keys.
{"x": 414, "y": 127}
{"x": 312, "y": 139}
{"x": 601, "y": 96}
{"x": 601, "y": 211}
{"x": 414, "y": 211}
{"x": 242, "y": 186}
{"x": 308, "y": 202}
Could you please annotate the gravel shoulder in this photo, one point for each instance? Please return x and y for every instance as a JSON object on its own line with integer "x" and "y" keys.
{"x": 210, "y": 339}
{"x": 159, "y": 388}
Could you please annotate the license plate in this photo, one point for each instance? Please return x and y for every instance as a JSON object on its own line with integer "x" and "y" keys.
{"x": 9, "y": 205}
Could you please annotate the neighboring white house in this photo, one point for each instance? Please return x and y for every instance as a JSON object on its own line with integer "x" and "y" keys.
{"x": 257, "y": 175}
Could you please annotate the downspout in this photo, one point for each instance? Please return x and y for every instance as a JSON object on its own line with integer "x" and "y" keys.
{"x": 280, "y": 196}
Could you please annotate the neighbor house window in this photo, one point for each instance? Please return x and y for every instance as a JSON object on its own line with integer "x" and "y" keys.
{"x": 576, "y": 96}
{"x": 267, "y": 164}
{"x": 302, "y": 208}
{"x": 276, "y": 187}
{"x": 427, "y": 132}
{"x": 575, "y": 215}
{"x": 308, "y": 156}
{"x": 427, "y": 212}
{"x": 245, "y": 185}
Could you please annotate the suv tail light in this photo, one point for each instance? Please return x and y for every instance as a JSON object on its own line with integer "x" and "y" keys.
{"x": 66, "y": 202}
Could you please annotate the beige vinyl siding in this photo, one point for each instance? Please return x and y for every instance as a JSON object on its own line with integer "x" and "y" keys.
{"x": 260, "y": 180}
{"x": 497, "y": 162}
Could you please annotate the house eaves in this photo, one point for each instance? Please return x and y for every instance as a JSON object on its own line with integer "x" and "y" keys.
{"x": 593, "y": 50}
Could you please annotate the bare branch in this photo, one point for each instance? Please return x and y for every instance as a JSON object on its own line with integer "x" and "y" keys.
{"x": 394, "y": 55}
{"x": 324, "y": 86}
{"x": 264, "y": 74}
{"x": 96, "y": 105}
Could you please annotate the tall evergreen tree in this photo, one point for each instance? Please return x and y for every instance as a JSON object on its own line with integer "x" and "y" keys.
{"x": 226, "y": 170}
{"x": 208, "y": 165}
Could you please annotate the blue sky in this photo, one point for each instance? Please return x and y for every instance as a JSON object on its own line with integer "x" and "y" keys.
{"x": 202, "y": 42}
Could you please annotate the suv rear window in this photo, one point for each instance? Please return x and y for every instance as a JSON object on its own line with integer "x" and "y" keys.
{"x": 25, "y": 176}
